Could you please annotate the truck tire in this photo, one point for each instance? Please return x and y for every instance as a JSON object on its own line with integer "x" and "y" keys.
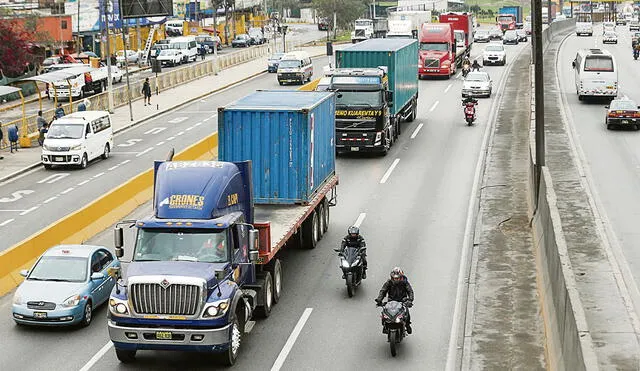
{"x": 264, "y": 310}
{"x": 326, "y": 215}
{"x": 229, "y": 357}
{"x": 320, "y": 221}
{"x": 414, "y": 106}
{"x": 275, "y": 268}
{"x": 125, "y": 356}
{"x": 310, "y": 231}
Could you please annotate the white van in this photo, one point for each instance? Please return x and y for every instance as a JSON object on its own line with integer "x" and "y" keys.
{"x": 174, "y": 28}
{"x": 78, "y": 138}
{"x": 295, "y": 67}
{"x": 186, "y": 45}
{"x": 596, "y": 74}
{"x": 584, "y": 24}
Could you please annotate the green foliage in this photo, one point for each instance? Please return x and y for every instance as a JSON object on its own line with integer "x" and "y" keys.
{"x": 347, "y": 11}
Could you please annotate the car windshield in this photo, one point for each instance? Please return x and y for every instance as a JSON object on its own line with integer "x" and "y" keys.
{"x": 202, "y": 39}
{"x": 477, "y": 77}
{"x": 359, "y": 98}
{"x": 482, "y": 33}
{"x": 241, "y": 37}
{"x": 609, "y": 34}
{"x": 180, "y": 45}
{"x": 438, "y": 47}
{"x": 623, "y": 105}
{"x": 494, "y": 48}
{"x": 60, "y": 268}
{"x": 604, "y": 64}
{"x": 505, "y": 18}
{"x": 289, "y": 64}
{"x": 168, "y": 52}
{"x": 199, "y": 245}
{"x": 65, "y": 131}
{"x": 510, "y": 34}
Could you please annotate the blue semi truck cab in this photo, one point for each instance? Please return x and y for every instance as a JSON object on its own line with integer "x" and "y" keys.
{"x": 206, "y": 263}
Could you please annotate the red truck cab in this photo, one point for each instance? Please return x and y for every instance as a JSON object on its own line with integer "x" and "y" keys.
{"x": 506, "y": 22}
{"x": 437, "y": 53}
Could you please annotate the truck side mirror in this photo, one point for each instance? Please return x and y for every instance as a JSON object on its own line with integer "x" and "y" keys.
{"x": 118, "y": 241}
{"x": 573, "y": 64}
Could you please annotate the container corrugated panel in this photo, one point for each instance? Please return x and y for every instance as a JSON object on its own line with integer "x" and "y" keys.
{"x": 288, "y": 136}
{"x": 399, "y": 55}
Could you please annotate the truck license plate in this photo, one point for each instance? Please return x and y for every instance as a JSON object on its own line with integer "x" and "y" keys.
{"x": 164, "y": 335}
{"x": 39, "y": 315}
{"x": 355, "y": 149}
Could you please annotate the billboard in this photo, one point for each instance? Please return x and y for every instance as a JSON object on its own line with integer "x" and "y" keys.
{"x": 92, "y": 18}
{"x": 145, "y": 8}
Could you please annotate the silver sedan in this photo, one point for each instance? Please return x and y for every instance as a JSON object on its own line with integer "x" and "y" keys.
{"x": 477, "y": 84}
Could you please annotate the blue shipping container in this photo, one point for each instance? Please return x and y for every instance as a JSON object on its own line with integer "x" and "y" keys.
{"x": 288, "y": 136}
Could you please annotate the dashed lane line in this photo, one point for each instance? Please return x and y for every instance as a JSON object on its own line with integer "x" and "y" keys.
{"x": 415, "y": 132}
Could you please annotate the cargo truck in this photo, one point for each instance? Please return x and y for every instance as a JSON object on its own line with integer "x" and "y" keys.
{"x": 368, "y": 29}
{"x": 208, "y": 262}
{"x": 438, "y": 50}
{"x": 462, "y": 24}
{"x": 509, "y": 18}
{"x": 376, "y": 83}
{"x": 406, "y": 24}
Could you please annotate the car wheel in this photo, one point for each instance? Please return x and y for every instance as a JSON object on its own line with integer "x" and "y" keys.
{"x": 120, "y": 79}
{"x": 84, "y": 161}
{"x": 87, "y": 314}
{"x": 107, "y": 151}
{"x": 47, "y": 166}
{"x": 609, "y": 126}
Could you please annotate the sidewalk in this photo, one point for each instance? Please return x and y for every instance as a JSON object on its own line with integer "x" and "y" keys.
{"x": 25, "y": 159}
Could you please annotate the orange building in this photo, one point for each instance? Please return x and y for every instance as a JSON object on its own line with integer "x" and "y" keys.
{"x": 52, "y": 33}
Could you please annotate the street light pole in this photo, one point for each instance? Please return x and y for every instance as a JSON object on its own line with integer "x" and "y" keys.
{"x": 78, "y": 28}
{"x": 106, "y": 11}
{"x": 539, "y": 86}
{"x": 126, "y": 68}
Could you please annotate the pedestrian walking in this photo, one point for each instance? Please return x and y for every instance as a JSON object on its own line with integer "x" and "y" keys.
{"x": 1, "y": 138}
{"x": 59, "y": 111}
{"x": 43, "y": 131}
{"x": 146, "y": 91}
{"x": 203, "y": 51}
{"x": 40, "y": 121}
{"x": 12, "y": 132}
{"x": 82, "y": 106}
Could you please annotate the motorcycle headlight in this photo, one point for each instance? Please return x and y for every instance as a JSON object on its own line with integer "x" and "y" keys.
{"x": 118, "y": 307}
{"x": 71, "y": 301}
{"x": 216, "y": 309}
{"x": 398, "y": 319}
{"x": 344, "y": 263}
{"x": 356, "y": 262}
{"x": 76, "y": 147}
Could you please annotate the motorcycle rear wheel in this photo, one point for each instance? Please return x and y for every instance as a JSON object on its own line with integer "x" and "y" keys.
{"x": 393, "y": 342}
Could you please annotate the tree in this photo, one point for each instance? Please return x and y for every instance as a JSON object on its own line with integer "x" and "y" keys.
{"x": 347, "y": 11}
{"x": 15, "y": 49}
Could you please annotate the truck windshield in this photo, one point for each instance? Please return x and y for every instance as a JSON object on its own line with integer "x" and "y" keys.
{"x": 289, "y": 64}
{"x": 199, "y": 245}
{"x": 438, "y": 47}
{"x": 505, "y": 18}
{"x": 359, "y": 98}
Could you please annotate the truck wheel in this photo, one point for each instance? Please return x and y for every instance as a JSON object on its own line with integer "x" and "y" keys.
{"x": 320, "y": 221}
{"x": 275, "y": 268}
{"x": 229, "y": 357}
{"x": 125, "y": 356}
{"x": 326, "y": 215}
{"x": 414, "y": 107}
{"x": 264, "y": 310}
{"x": 310, "y": 231}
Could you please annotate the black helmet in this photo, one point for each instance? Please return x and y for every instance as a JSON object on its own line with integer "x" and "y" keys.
{"x": 353, "y": 231}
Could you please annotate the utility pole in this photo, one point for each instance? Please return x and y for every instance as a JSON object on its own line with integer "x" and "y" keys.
{"x": 126, "y": 67}
{"x": 539, "y": 86}
{"x": 78, "y": 50}
{"x": 107, "y": 9}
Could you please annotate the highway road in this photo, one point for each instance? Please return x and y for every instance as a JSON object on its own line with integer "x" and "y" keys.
{"x": 299, "y": 33}
{"x": 612, "y": 156}
{"x": 412, "y": 208}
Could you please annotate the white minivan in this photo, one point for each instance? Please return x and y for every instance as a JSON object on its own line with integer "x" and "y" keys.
{"x": 295, "y": 67}
{"x": 187, "y": 46}
{"x": 596, "y": 74}
{"x": 78, "y": 138}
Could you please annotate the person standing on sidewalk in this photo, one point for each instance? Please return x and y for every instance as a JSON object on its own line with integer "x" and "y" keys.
{"x": 59, "y": 111}
{"x": 1, "y": 138}
{"x": 146, "y": 91}
{"x": 41, "y": 122}
{"x": 12, "y": 132}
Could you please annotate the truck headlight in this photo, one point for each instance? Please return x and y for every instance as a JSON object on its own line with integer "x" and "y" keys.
{"x": 216, "y": 309}
{"x": 118, "y": 307}
{"x": 71, "y": 301}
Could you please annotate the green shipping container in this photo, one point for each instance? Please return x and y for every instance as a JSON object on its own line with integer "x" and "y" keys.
{"x": 399, "y": 55}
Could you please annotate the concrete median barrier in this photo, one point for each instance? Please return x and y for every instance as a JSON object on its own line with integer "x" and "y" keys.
{"x": 97, "y": 216}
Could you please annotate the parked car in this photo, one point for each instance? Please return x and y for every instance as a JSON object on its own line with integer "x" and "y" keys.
{"x": 209, "y": 42}
{"x": 323, "y": 24}
{"x": 66, "y": 284}
{"x": 522, "y": 35}
{"x": 170, "y": 57}
{"x": 481, "y": 36}
{"x": 257, "y": 38}
{"x": 608, "y": 26}
{"x": 510, "y": 37}
{"x": 494, "y": 54}
{"x": 527, "y": 28}
{"x": 610, "y": 37}
{"x": 477, "y": 84}
{"x": 622, "y": 112}
{"x": 273, "y": 61}
{"x": 495, "y": 34}
{"x": 116, "y": 73}
{"x": 242, "y": 40}
{"x": 132, "y": 56}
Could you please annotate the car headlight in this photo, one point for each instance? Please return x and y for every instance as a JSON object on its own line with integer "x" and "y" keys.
{"x": 71, "y": 301}
{"x": 46, "y": 147}
{"x": 76, "y": 147}
{"x": 118, "y": 307}
{"x": 17, "y": 299}
{"x": 216, "y": 309}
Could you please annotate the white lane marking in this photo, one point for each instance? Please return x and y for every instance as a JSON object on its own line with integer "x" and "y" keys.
{"x": 415, "y": 132}
{"x": 180, "y": 133}
{"x": 197, "y": 124}
{"x": 448, "y": 87}
{"x": 27, "y": 211}
{"x": 15, "y": 196}
{"x": 434, "y": 106}
{"x": 113, "y": 167}
{"x": 6, "y": 222}
{"x": 160, "y": 143}
{"x": 84, "y": 182}
{"x": 189, "y": 128}
{"x": 99, "y": 174}
{"x": 155, "y": 130}
{"x": 49, "y": 199}
{"x": 203, "y": 101}
{"x": 389, "y": 171}
{"x": 124, "y": 162}
{"x": 130, "y": 143}
{"x": 9, "y": 211}
{"x": 67, "y": 191}
{"x": 53, "y": 178}
{"x": 177, "y": 120}
{"x": 96, "y": 357}
{"x": 145, "y": 151}
{"x": 360, "y": 219}
{"x": 207, "y": 119}
{"x": 458, "y": 75}
{"x": 291, "y": 340}
{"x": 171, "y": 138}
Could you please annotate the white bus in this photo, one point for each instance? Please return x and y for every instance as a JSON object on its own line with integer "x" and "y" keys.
{"x": 596, "y": 74}
{"x": 584, "y": 25}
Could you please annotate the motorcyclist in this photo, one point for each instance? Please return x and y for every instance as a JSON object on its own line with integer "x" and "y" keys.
{"x": 354, "y": 239}
{"x": 398, "y": 288}
{"x": 468, "y": 100}
{"x": 466, "y": 63}
{"x": 475, "y": 66}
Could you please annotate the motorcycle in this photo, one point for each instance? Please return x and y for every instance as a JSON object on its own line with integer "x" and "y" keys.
{"x": 394, "y": 316}
{"x": 351, "y": 265}
{"x": 636, "y": 53}
{"x": 470, "y": 112}
{"x": 466, "y": 68}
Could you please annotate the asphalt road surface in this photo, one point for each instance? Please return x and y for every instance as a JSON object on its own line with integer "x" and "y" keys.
{"x": 612, "y": 156}
{"x": 412, "y": 207}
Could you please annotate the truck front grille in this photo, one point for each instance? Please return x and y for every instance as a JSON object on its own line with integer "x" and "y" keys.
{"x": 176, "y": 299}
{"x": 360, "y": 33}
{"x": 430, "y": 62}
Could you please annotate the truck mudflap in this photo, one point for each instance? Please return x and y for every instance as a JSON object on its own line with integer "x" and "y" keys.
{"x": 157, "y": 338}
